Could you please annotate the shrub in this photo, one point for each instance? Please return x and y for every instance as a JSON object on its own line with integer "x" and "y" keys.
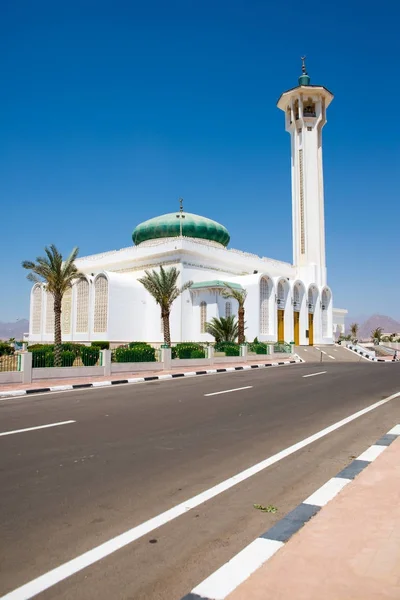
{"x": 67, "y": 358}
{"x": 198, "y": 354}
{"x": 71, "y": 347}
{"x": 6, "y": 349}
{"x": 135, "y": 354}
{"x": 221, "y": 347}
{"x": 139, "y": 345}
{"x": 45, "y": 347}
{"x": 258, "y": 348}
{"x": 185, "y": 349}
{"x": 232, "y": 351}
{"x": 101, "y": 345}
{"x": 90, "y": 355}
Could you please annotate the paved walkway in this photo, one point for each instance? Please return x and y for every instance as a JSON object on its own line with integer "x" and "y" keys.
{"x": 43, "y": 383}
{"x": 349, "y": 551}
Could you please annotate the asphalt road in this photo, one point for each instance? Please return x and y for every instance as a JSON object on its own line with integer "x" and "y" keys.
{"x": 136, "y": 451}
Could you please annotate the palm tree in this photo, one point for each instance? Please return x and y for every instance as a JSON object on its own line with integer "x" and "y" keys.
{"x": 162, "y": 286}
{"x": 354, "y": 330}
{"x": 240, "y": 296}
{"x": 57, "y": 275}
{"x": 376, "y": 334}
{"x": 223, "y": 329}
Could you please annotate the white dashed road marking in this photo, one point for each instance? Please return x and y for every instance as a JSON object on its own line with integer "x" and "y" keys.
{"x": 34, "y": 428}
{"x": 314, "y": 374}
{"x": 247, "y": 387}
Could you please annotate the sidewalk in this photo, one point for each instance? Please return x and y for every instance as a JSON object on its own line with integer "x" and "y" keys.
{"x": 141, "y": 375}
{"x": 349, "y": 551}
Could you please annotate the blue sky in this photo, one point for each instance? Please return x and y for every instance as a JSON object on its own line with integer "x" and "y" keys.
{"x": 112, "y": 110}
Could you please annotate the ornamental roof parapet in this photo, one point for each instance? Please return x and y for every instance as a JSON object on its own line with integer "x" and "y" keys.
{"x": 137, "y": 252}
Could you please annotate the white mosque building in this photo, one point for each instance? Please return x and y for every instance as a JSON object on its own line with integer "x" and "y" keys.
{"x": 285, "y": 302}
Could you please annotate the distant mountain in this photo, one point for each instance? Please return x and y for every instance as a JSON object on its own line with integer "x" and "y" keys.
{"x": 14, "y": 330}
{"x": 388, "y": 325}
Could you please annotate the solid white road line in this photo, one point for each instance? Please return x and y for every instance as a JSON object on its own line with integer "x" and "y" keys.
{"x": 44, "y": 582}
{"x": 328, "y": 491}
{"x": 247, "y": 387}
{"x": 314, "y": 374}
{"x": 238, "y": 569}
{"x": 371, "y": 453}
{"x": 34, "y": 428}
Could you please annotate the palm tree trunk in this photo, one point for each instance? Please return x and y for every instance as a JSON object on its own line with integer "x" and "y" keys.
{"x": 57, "y": 331}
{"x": 167, "y": 334}
{"x": 241, "y": 325}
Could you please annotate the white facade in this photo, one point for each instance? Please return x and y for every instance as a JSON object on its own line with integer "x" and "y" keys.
{"x": 110, "y": 303}
{"x": 289, "y": 301}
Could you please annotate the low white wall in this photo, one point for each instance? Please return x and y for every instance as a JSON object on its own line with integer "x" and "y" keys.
{"x": 191, "y": 362}
{"x": 228, "y": 359}
{"x": 66, "y": 372}
{"x": 11, "y": 377}
{"x": 394, "y": 345}
{"x": 130, "y": 367}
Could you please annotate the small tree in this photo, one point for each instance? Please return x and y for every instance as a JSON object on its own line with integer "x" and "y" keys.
{"x": 162, "y": 286}
{"x": 376, "y": 335}
{"x": 224, "y": 329}
{"x": 57, "y": 275}
{"x": 240, "y": 296}
{"x": 354, "y": 330}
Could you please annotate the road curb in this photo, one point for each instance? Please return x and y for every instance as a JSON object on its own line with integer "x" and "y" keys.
{"x": 366, "y": 355}
{"x": 227, "y": 578}
{"x": 99, "y": 384}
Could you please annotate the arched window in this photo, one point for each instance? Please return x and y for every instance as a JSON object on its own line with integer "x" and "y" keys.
{"x": 324, "y": 308}
{"x": 49, "y": 313}
{"x": 265, "y": 291}
{"x": 66, "y": 308}
{"x": 228, "y": 309}
{"x": 310, "y": 301}
{"x": 281, "y": 295}
{"x": 37, "y": 309}
{"x": 203, "y": 316}
{"x": 82, "y": 306}
{"x": 296, "y": 298}
{"x": 100, "y": 304}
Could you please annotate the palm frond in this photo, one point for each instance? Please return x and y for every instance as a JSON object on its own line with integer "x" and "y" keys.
{"x": 239, "y": 295}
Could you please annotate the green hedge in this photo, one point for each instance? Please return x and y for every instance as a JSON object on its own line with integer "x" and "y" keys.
{"x": 65, "y": 347}
{"x": 139, "y": 345}
{"x": 90, "y": 355}
{"x": 198, "y": 354}
{"x": 6, "y": 349}
{"x": 41, "y": 358}
{"x": 143, "y": 353}
{"x": 221, "y": 347}
{"x": 101, "y": 345}
{"x": 185, "y": 349}
{"x": 258, "y": 348}
{"x": 232, "y": 351}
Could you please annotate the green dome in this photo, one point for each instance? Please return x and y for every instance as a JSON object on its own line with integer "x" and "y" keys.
{"x": 169, "y": 226}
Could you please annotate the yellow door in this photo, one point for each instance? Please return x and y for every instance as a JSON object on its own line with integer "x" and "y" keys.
{"x": 281, "y": 325}
{"x": 296, "y": 316}
{"x": 311, "y": 329}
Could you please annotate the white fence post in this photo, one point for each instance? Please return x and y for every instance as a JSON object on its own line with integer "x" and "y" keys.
{"x": 210, "y": 354}
{"x": 106, "y": 361}
{"x": 26, "y": 367}
{"x": 243, "y": 351}
{"x": 166, "y": 355}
